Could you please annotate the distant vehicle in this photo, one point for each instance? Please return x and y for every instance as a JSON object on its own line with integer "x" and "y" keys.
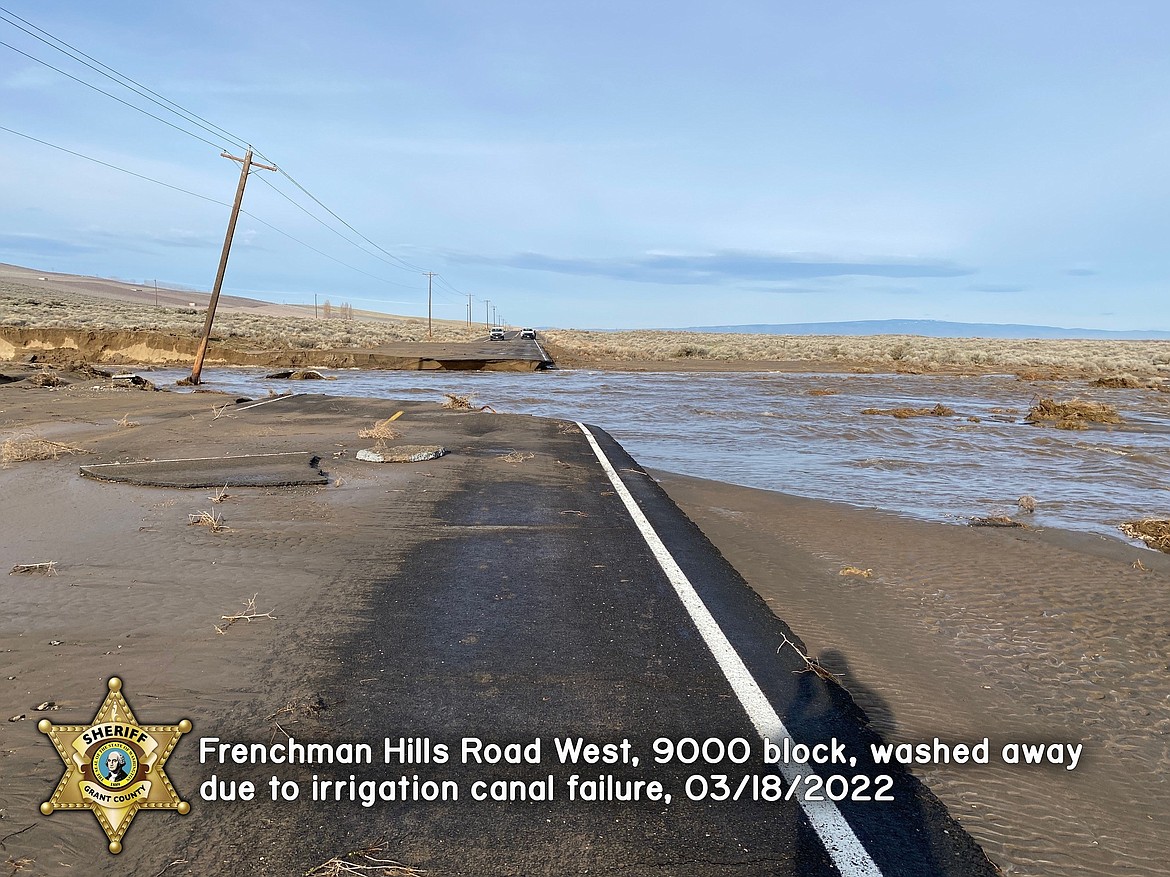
{"x": 528, "y": 333}
{"x": 496, "y": 334}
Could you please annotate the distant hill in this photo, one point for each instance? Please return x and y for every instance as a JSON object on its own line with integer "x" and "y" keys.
{"x": 932, "y": 329}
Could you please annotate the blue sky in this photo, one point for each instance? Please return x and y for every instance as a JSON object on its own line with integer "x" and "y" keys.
{"x": 614, "y": 165}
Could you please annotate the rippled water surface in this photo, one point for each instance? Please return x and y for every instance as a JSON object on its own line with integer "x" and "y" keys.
{"x": 765, "y": 430}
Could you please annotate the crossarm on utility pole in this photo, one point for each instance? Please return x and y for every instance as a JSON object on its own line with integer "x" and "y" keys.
{"x": 246, "y": 165}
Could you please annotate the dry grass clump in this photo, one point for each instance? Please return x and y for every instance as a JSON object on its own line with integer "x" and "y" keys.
{"x": 126, "y": 422}
{"x": 48, "y": 568}
{"x": 366, "y": 861}
{"x": 1155, "y": 532}
{"x": 457, "y": 402}
{"x": 210, "y": 520}
{"x": 1073, "y": 414}
{"x": 938, "y": 410}
{"x": 823, "y": 391}
{"x": 382, "y": 430}
{"x": 516, "y": 457}
{"x": 855, "y": 571}
{"x": 25, "y": 448}
{"x": 1119, "y": 382}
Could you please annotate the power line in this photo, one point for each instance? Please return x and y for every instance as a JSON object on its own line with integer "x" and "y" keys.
{"x": 111, "y": 96}
{"x": 322, "y": 252}
{"x": 200, "y": 122}
{"x": 121, "y": 79}
{"x": 188, "y": 116}
{"x": 451, "y": 289}
{"x": 402, "y": 262}
{"x": 202, "y": 198}
{"x": 315, "y": 218}
{"x": 115, "y": 167}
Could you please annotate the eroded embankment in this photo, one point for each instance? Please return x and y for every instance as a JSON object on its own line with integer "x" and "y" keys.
{"x": 161, "y": 348}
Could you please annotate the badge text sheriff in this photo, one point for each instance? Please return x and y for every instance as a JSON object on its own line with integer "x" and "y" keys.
{"x": 125, "y": 732}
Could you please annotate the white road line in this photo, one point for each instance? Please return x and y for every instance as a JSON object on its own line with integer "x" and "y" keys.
{"x": 200, "y": 459}
{"x": 850, "y": 857}
{"x": 266, "y": 401}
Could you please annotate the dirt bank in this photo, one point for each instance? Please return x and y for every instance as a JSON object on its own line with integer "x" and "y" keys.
{"x": 128, "y": 346}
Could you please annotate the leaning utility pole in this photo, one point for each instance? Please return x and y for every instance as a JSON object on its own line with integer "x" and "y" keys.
{"x": 246, "y": 165}
{"x": 429, "y": 275}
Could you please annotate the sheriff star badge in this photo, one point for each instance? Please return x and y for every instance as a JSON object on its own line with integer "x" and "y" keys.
{"x": 114, "y": 766}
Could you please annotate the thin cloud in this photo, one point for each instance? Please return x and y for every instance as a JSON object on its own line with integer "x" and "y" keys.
{"x": 722, "y": 267}
{"x": 42, "y": 245}
{"x": 185, "y": 239}
{"x": 150, "y": 241}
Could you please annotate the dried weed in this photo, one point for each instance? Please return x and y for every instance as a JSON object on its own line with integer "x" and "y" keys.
{"x": 48, "y": 568}
{"x": 249, "y": 615}
{"x": 457, "y": 402}
{"x": 382, "y": 429}
{"x": 25, "y": 448}
{"x": 367, "y": 861}
{"x": 1073, "y": 414}
{"x": 1155, "y": 532}
{"x": 938, "y": 410}
{"x": 811, "y": 665}
{"x": 210, "y": 520}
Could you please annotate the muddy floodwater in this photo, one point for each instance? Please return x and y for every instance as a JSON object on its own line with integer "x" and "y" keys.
{"x": 769, "y": 430}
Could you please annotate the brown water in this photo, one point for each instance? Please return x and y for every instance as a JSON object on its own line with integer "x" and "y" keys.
{"x": 766, "y": 430}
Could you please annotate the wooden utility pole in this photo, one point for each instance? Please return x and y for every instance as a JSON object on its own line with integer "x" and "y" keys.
{"x": 486, "y": 314}
{"x": 469, "y": 310}
{"x": 430, "y": 276}
{"x": 246, "y": 165}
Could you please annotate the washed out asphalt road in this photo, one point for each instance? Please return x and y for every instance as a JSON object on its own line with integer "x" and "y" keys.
{"x": 525, "y": 603}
